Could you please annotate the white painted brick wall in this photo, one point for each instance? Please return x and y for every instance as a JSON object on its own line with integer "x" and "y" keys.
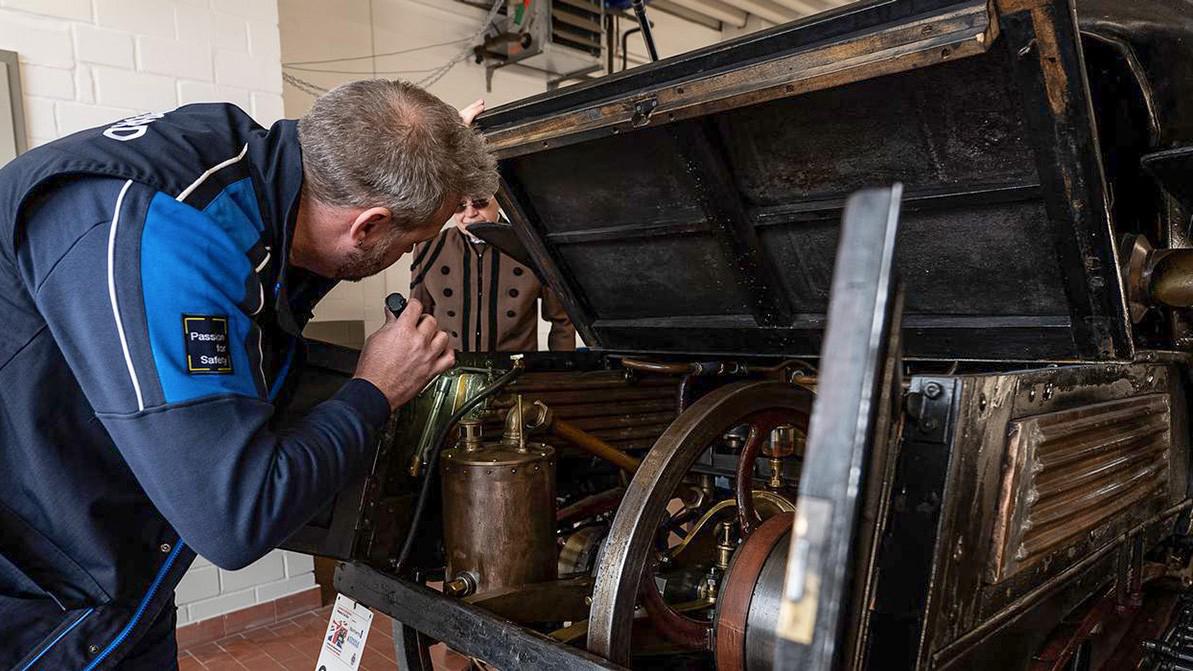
{"x": 207, "y": 591}
{"x": 86, "y": 63}
{"x": 90, "y": 62}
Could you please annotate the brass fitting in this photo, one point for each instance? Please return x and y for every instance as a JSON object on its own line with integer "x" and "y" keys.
{"x": 514, "y": 434}
{"x": 470, "y": 434}
{"x": 1154, "y": 277}
{"x": 785, "y": 441}
{"x": 725, "y": 544}
{"x": 464, "y": 584}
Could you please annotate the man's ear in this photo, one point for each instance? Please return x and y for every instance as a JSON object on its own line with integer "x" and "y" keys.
{"x": 368, "y": 223}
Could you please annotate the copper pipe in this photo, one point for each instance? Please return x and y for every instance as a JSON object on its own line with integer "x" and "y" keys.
{"x": 539, "y": 416}
{"x": 761, "y": 425}
{"x": 660, "y": 366}
{"x": 696, "y": 368}
{"x": 747, "y": 517}
{"x": 591, "y": 506}
{"x": 783, "y": 365}
{"x": 592, "y": 445}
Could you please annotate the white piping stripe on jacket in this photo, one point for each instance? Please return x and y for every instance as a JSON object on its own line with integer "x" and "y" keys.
{"x": 128, "y": 360}
{"x": 209, "y": 172}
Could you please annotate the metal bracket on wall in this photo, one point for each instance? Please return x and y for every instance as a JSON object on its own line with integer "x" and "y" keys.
{"x": 12, "y": 111}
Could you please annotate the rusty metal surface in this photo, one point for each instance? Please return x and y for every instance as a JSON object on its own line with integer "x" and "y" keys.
{"x": 499, "y": 515}
{"x": 965, "y": 604}
{"x": 1071, "y": 471}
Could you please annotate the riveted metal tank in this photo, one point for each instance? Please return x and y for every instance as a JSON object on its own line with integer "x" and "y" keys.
{"x": 498, "y": 511}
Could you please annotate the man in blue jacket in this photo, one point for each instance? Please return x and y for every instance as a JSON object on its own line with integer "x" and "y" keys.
{"x": 155, "y": 276}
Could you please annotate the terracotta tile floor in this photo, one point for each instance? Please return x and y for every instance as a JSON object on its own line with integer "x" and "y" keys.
{"x": 292, "y": 644}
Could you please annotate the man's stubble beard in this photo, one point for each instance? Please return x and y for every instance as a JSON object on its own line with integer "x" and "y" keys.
{"x": 362, "y": 263}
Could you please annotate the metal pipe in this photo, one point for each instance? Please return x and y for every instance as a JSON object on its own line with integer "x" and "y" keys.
{"x": 730, "y": 16}
{"x": 747, "y": 518}
{"x": 591, "y": 506}
{"x": 644, "y": 24}
{"x": 665, "y": 368}
{"x": 592, "y": 445}
{"x": 767, "y": 10}
{"x": 624, "y": 53}
{"x": 539, "y": 416}
{"x": 678, "y": 10}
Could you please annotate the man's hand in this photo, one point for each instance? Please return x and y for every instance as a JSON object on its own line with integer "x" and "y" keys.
{"x": 469, "y": 113}
{"x": 405, "y": 354}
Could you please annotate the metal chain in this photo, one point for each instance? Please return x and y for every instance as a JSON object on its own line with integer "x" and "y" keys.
{"x": 303, "y": 85}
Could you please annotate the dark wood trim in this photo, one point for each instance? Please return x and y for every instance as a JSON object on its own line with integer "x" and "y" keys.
{"x": 1043, "y": 46}
{"x": 829, "y": 50}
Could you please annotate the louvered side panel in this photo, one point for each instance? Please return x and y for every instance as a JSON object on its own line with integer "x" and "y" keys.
{"x": 1067, "y": 473}
{"x": 577, "y": 24}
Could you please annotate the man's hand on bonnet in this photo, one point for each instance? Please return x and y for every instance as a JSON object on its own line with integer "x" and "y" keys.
{"x": 469, "y": 113}
{"x": 405, "y": 354}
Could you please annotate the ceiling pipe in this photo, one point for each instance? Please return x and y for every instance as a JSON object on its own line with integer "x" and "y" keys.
{"x": 805, "y": 7}
{"x": 669, "y": 7}
{"x": 765, "y": 9}
{"x": 719, "y": 10}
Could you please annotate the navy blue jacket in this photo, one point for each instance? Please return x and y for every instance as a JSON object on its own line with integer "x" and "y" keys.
{"x": 149, "y": 327}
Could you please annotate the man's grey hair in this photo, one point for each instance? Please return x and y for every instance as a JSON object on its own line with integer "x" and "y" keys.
{"x": 382, "y": 143}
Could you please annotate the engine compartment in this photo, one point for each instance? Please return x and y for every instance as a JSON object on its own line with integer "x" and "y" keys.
{"x": 598, "y": 500}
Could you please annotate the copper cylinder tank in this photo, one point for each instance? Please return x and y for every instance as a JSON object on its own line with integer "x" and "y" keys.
{"x": 498, "y": 515}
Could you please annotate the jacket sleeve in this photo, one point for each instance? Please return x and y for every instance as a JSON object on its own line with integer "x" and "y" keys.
{"x": 151, "y": 305}
{"x": 562, "y": 337}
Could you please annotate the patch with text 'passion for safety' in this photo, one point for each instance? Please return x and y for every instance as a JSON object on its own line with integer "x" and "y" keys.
{"x": 206, "y": 344}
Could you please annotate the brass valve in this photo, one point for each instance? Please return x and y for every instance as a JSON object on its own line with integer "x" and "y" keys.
{"x": 785, "y": 442}
{"x": 725, "y": 544}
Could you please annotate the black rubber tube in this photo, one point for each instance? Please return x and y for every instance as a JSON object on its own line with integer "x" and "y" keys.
{"x": 433, "y": 461}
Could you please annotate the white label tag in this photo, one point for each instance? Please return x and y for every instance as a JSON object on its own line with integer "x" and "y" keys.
{"x": 344, "y": 642}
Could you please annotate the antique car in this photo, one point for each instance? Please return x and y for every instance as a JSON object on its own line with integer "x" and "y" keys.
{"x": 887, "y": 368}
